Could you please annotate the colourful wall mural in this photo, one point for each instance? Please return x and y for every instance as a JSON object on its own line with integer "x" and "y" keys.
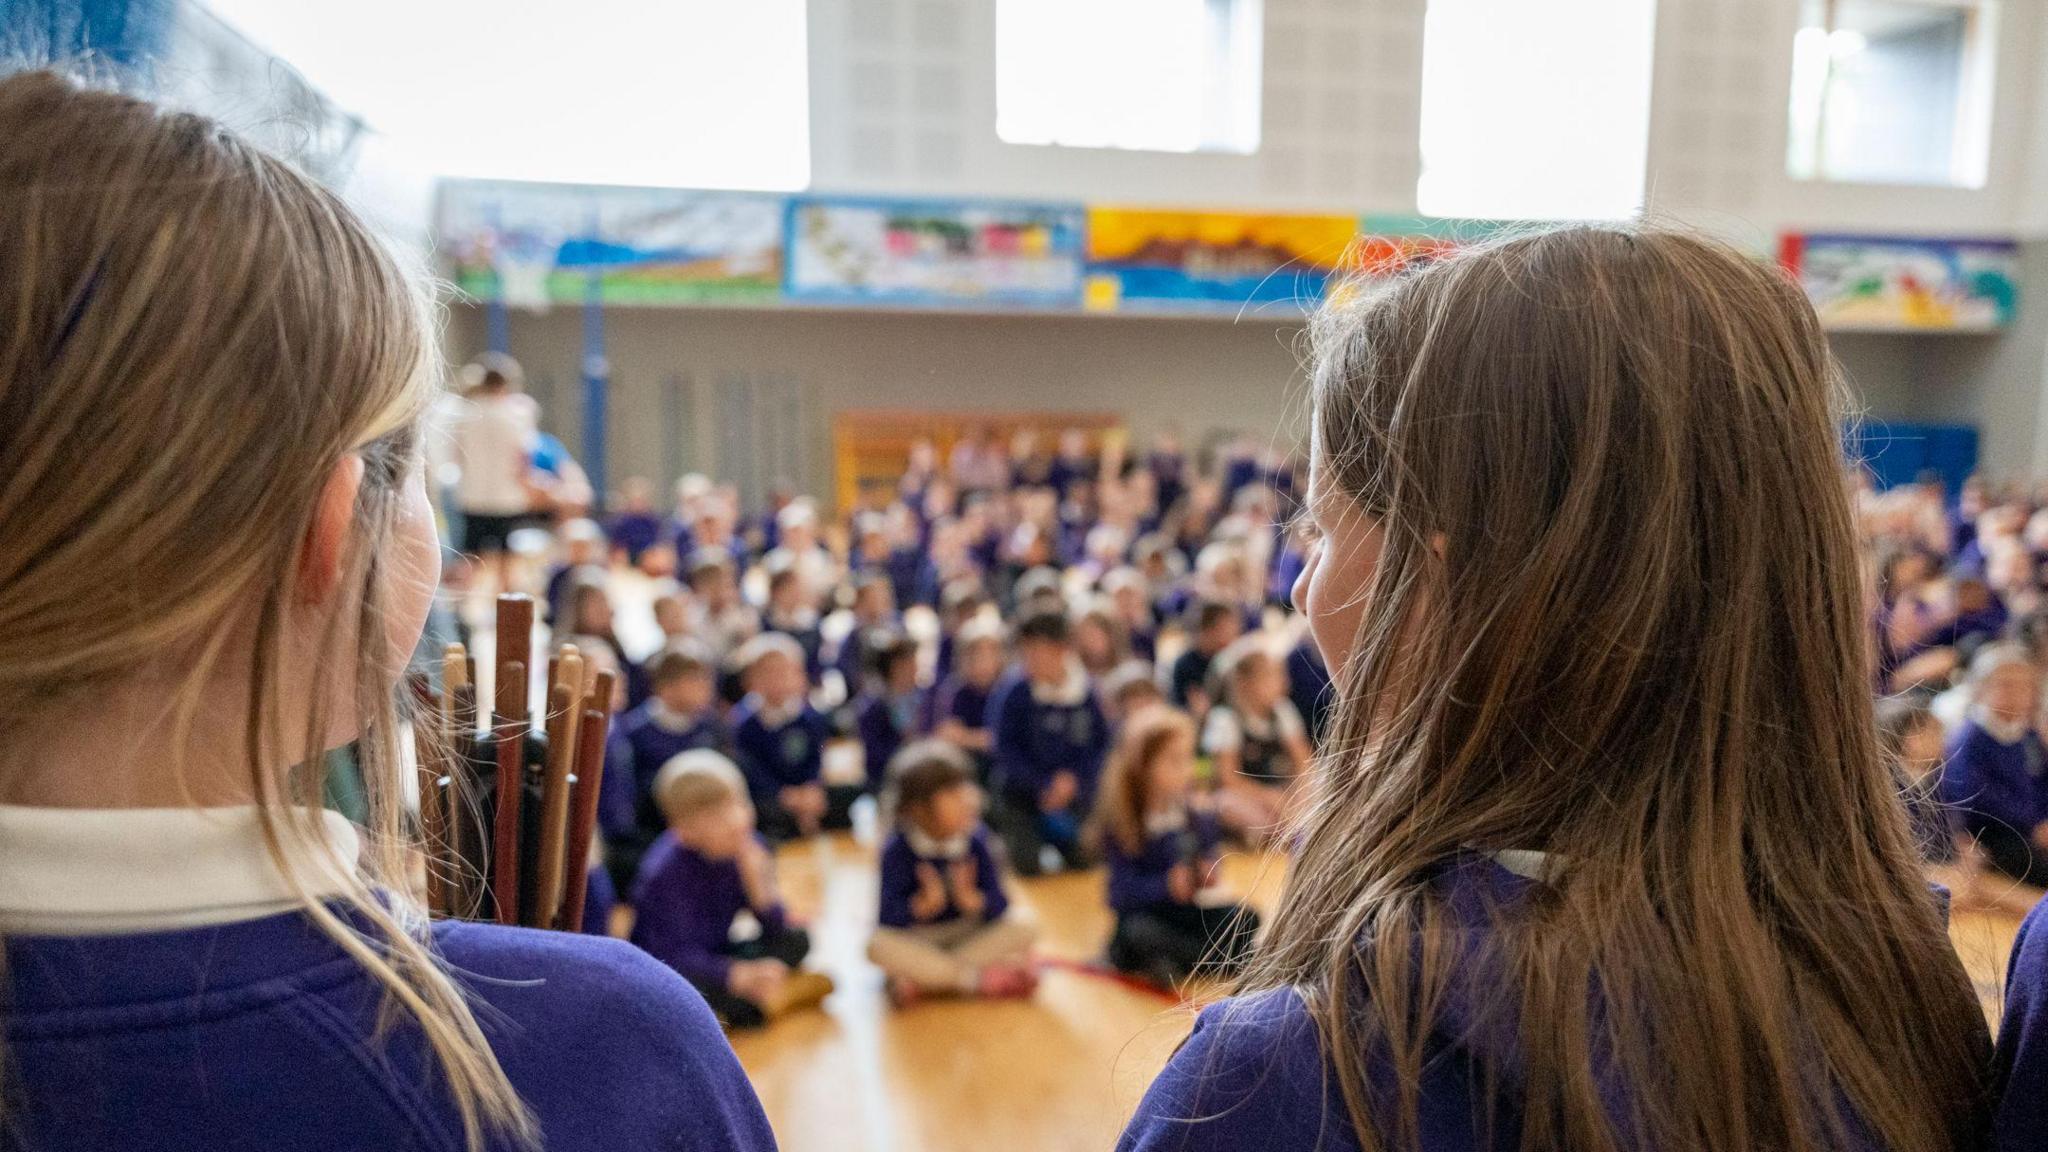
{"x": 1906, "y": 284}
{"x": 530, "y": 245}
{"x": 934, "y": 253}
{"x": 1146, "y": 258}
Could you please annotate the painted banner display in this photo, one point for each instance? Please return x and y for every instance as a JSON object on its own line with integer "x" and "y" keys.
{"x": 1145, "y": 258}
{"x": 1903, "y": 284}
{"x": 916, "y": 253}
{"x": 534, "y": 244}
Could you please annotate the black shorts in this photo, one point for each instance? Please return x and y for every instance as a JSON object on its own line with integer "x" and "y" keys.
{"x": 483, "y": 534}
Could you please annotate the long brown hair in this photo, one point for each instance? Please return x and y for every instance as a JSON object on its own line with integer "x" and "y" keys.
{"x": 1121, "y": 798}
{"x": 1616, "y": 618}
{"x": 195, "y": 336}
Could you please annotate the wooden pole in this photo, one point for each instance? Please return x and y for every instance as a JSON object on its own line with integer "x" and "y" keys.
{"x": 515, "y": 647}
{"x": 590, "y": 742}
{"x": 554, "y": 808}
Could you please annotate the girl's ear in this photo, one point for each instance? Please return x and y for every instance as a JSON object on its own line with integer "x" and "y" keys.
{"x": 320, "y": 556}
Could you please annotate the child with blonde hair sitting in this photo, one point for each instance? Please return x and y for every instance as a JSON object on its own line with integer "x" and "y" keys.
{"x": 705, "y": 875}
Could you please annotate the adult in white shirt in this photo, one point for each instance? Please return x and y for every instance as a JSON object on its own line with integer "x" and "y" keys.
{"x": 494, "y": 438}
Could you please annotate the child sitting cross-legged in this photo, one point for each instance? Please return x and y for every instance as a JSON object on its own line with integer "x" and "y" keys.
{"x": 701, "y": 879}
{"x": 947, "y": 927}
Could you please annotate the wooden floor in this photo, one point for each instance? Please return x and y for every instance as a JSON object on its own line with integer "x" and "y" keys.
{"x": 1060, "y": 1071}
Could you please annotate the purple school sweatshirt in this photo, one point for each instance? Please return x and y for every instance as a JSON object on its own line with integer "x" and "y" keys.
{"x": 885, "y": 724}
{"x": 1990, "y": 782}
{"x": 899, "y": 882}
{"x": 684, "y": 904}
{"x": 260, "y": 1036}
{"x": 1253, "y": 1074}
{"x": 1036, "y": 739}
{"x": 641, "y": 742}
{"x": 2020, "y": 1065}
{"x": 780, "y": 755}
{"x": 1140, "y": 881}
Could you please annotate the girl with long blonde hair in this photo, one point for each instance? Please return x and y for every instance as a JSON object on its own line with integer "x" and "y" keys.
{"x": 1600, "y": 852}
{"x": 216, "y": 553}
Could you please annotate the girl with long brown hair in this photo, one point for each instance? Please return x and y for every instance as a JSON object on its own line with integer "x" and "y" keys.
{"x": 218, "y": 553}
{"x": 1160, "y": 839}
{"x": 1601, "y": 853}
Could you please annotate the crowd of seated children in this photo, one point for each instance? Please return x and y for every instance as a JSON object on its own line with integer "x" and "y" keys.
{"x": 700, "y": 880}
{"x": 1055, "y": 592}
{"x": 1957, "y": 624}
{"x": 946, "y": 925}
{"x": 1161, "y": 840}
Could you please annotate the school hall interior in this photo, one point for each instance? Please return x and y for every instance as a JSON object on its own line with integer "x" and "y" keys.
{"x": 810, "y": 365}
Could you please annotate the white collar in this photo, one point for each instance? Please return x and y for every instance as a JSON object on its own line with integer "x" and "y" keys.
{"x": 668, "y": 719}
{"x": 1069, "y": 692}
{"x": 1999, "y": 730}
{"x": 1528, "y": 863}
{"x": 1166, "y": 821}
{"x": 103, "y": 871}
{"x": 951, "y": 848}
{"x": 774, "y": 717}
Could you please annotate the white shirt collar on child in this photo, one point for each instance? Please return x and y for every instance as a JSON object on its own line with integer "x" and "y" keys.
{"x": 668, "y": 719}
{"x": 102, "y": 871}
{"x": 1068, "y": 692}
{"x": 951, "y": 848}
{"x": 2007, "y": 733}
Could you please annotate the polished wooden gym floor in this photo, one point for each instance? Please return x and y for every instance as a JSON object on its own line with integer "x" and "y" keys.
{"x": 1059, "y": 1071}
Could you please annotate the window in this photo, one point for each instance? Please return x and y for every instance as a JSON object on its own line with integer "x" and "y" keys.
{"x": 1158, "y": 75}
{"x": 1892, "y": 91}
{"x": 1535, "y": 111}
{"x": 685, "y": 93}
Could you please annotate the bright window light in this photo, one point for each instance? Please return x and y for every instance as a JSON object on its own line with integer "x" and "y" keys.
{"x": 1157, "y": 75}
{"x": 1535, "y": 111}
{"x": 685, "y": 93}
{"x": 1892, "y": 91}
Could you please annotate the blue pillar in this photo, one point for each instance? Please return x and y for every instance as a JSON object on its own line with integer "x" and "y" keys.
{"x": 497, "y": 314}
{"x": 597, "y": 374}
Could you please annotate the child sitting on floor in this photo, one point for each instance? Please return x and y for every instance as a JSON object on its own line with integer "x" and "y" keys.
{"x": 886, "y": 716}
{"x": 780, "y": 740}
{"x": 1049, "y": 738}
{"x": 959, "y": 713}
{"x": 677, "y": 717}
{"x": 1255, "y": 739}
{"x": 1162, "y": 849}
{"x": 699, "y": 878}
{"x": 947, "y": 927}
{"x": 1215, "y": 625}
{"x": 1993, "y": 777}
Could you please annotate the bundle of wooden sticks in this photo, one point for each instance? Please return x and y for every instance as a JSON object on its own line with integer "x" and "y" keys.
{"x": 507, "y": 809}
